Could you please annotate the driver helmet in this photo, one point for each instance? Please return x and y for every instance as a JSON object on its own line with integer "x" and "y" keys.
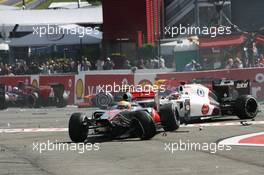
{"x": 123, "y": 105}
{"x": 15, "y": 89}
{"x": 174, "y": 96}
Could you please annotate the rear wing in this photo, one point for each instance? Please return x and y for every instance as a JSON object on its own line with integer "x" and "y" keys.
{"x": 231, "y": 89}
{"x": 143, "y": 94}
{"x": 58, "y": 89}
{"x": 146, "y": 99}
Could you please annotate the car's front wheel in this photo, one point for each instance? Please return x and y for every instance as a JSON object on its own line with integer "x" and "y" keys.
{"x": 78, "y": 127}
{"x": 143, "y": 125}
{"x": 169, "y": 117}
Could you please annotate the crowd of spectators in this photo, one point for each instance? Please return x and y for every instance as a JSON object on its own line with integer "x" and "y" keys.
{"x": 230, "y": 63}
{"x": 156, "y": 63}
{"x": 108, "y": 64}
{"x": 20, "y": 67}
{"x": 53, "y": 66}
{"x": 57, "y": 66}
{"x": 234, "y": 63}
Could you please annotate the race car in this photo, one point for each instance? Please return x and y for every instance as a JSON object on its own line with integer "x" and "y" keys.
{"x": 224, "y": 98}
{"x": 24, "y": 95}
{"x": 123, "y": 120}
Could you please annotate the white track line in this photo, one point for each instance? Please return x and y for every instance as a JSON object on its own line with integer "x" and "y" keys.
{"x": 35, "y": 130}
{"x": 223, "y": 124}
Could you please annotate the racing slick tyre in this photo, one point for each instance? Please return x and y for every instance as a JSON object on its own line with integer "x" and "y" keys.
{"x": 144, "y": 125}
{"x": 62, "y": 103}
{"x": 246, "y": 107}
{"x": 2, "y": 103}
{"x": 32, "y": 101}
{"x": 169, "y": 117}
{"x": 103, "y": 100}
{"x": 78, "y": 127}
{"x": 2, "y": 97}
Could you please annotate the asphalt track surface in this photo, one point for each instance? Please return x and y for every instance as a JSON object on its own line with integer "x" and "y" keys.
{"x": 20, "y": 151}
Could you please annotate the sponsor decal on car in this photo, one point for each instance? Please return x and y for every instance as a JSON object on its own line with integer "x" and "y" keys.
{"x": 242, "y": 85}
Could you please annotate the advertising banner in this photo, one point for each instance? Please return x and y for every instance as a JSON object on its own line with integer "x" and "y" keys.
{"x": 106, "y": 82}
{"x": 12, "y": 81}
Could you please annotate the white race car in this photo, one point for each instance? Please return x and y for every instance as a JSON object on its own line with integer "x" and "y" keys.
{"x": 226, "y": 97}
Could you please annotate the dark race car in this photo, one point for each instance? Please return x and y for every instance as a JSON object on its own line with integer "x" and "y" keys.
{"x": 29, "y": 96}
{"x": 123, "y": 120}
{"x": 235, "y": 99}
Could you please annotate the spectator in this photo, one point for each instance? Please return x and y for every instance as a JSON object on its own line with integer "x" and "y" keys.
{"x": 43, "y": 68}
{"x": 141, "y": 64}
{"x": 108, "y": 65}
{"x": 127, "y": 65}
{"x": 162, "y": 63}
{"x": 4, "y": 69}
{"x": 206, "y": 64}
{"x": 99, "y": 64}
{"x": 79, "y": 66}
{"x": 238, "y": 63}
{"x": 86, "y": 64}
{"x": 149, "y": 64}
{"x": 192, "y": 66}
{"x": 230, "y": 64}
{"x": 255, "y": 53}
{"x": 155, "y": 63}
{"x": 217, "y": 64}
{"x": 261, "y": 61}
{"x": 73, "y": 66}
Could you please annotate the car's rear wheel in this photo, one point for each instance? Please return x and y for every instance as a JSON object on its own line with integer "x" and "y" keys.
{"x": 143, "y": 125}
{"x": 78, "y": 127}
{"x": 31, "y": 101}
{"x": 246, "y": 107}
{"x": 169, "y": 117}
{"x": 2, "y": 97}
{"x": 104, "y": 100}
{"x": 2, "y": 102}
{"x": 62, "y": 103}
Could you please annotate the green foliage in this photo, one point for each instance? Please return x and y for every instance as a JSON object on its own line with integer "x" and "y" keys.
{"x": 95, "y": 2}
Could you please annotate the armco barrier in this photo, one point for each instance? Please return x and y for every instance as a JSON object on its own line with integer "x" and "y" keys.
{"x": 256, "y": 75}
{"x": 12, "y": 81}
